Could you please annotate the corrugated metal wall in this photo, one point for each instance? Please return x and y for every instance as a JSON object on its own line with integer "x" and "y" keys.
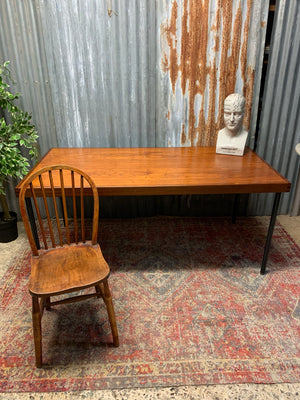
{"x": 22, "y": 43}
{"x": 115, "y": 73}
{"x": 102, "y": 71}
{"x": 279, "y": 129}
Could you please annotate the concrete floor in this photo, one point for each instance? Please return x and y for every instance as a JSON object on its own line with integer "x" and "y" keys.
{"x": 211, "y": 392}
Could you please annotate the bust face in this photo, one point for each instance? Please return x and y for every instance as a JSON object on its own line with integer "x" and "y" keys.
{"x": 234, "y": 106}
{"x": 233, "y": 119}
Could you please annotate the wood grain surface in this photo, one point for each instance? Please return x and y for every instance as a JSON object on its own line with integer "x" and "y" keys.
{"x": 168, "y": 171}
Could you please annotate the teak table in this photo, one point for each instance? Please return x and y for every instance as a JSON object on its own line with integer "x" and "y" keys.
{"x": 172, "y": 171}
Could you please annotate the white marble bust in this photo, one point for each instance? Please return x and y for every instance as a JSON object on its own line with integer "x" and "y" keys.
{"x": 232, "y": 139}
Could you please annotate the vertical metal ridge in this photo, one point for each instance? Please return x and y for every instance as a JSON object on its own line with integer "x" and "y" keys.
{"x": 279, "y": 129}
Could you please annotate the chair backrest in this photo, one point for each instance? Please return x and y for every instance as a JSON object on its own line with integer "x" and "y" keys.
{"x": 49, "y": 190}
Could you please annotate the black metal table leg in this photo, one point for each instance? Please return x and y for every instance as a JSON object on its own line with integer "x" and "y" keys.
{"x": 270, "y": 233}
{"x": 32, "y": 221}
{"x": 235, "y": 208}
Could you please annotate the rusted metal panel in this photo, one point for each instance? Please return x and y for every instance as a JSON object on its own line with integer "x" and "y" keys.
{"x": 209, "y": 49}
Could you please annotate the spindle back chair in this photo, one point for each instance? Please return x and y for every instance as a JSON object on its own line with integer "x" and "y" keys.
{"x": 70, "y": 259}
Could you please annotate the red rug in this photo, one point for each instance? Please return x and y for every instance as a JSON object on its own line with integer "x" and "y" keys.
{"x": 191, "y": 309}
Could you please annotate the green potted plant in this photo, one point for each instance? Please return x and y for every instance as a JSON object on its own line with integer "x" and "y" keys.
{"x": 18, "y": 144}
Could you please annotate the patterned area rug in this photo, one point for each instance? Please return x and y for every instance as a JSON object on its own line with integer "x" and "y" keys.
{"x": 191, "y": 309}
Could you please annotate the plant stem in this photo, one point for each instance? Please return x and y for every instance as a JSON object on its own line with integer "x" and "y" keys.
{"x": 5, "y": 209}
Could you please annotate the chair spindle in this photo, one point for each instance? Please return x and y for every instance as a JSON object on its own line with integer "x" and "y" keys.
{"x": 63, "y": 194}
{"x": 74, "y": 207}
{"x": 47, "y": 210}
{"x": 38, "y": 215}
{"x": 82, "y": 209}
{"x": 55, "y": 208}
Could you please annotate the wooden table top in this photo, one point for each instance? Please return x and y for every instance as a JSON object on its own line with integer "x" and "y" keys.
{"x": 169, "y": 171}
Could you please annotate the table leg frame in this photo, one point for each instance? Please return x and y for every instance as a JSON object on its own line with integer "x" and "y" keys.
{"x": 267, "y": 244}
{"x": 235, "y": 207}
{"x": 270, "y": 233}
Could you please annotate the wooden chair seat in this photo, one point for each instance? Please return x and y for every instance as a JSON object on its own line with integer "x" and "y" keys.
{"x": 67, "y": 264}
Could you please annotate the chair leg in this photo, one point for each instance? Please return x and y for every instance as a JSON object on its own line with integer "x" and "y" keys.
{"x": 98, "y": 290}
{"x": 110, "y": 311}
{"x": 37, "y": 330}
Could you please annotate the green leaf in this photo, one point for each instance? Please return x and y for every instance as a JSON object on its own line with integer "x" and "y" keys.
{"x": 16, "y": 132}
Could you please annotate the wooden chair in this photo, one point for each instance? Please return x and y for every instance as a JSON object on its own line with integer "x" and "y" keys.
{"x": 66, "y": 262}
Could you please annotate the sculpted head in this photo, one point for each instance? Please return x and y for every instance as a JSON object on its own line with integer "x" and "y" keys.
{"x": 234, "y": 110}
